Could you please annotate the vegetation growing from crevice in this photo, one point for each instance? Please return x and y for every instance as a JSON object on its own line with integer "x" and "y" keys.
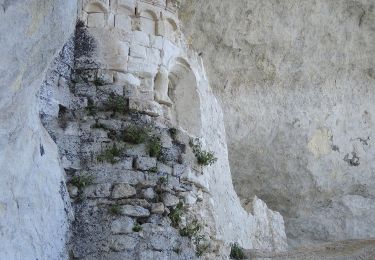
{"x": 81, "y": 181}
{"x": 173, "y": 132}
{"x": 91, "y": 108}
{"x": 116, "y": 104}
{"x": 115, "y": 210}
{"x": 201, "y": 245}
{"x": 155, "y": 147}
{"x": 204, "y": 158}
{"x": 176, "y": 213}
{"x": 137, "y": 228}
{"x": 236, "y": 252}
{"x": 99, "y": 82}
{"x": 191, "y": 229}
{"x": 110, "y": 155}
{"x": 135, "y": 134}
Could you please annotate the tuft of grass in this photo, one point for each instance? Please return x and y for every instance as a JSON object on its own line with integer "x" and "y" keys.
{"x": 204, "y": 158}
{"x": 155, "y": 147}
{"x": 135, "y": 134}
{"x": 176, "y": 213}
{"x": 191, "y": 230}
{"x": 137, "y": 228}
{"x": 236, "y": 252}
{"x": 115, "y": 210}
{"x": 81, "y": 181}
{"x": 116, "y": 104}
{"x": 173, "y": 132}
{"x": 109, "y": 155}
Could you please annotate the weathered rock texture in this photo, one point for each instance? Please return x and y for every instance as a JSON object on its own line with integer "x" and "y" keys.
{"x": 33, "y": 214}
{"x": 133, "y": 79}
{"x": 296, "y": 81}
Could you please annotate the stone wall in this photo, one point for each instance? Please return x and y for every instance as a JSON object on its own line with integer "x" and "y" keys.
{"x": 133, "y": 68}
{"x": 296, "y": 82}
{"x": 33, "y": 214}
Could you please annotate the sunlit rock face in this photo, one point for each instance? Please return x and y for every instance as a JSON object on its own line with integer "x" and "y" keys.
{"x": 33, "y": 210}
{"x": 296, "y": 82}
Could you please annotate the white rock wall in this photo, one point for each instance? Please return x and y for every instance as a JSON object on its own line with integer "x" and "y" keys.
{"x": 33, "y": 216}
{"x": 296, "y": 82}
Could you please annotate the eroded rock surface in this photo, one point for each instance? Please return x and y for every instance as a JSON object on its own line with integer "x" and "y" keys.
{"x": 296, "y": 82}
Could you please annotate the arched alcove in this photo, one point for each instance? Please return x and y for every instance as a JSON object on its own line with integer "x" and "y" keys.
{"x": 182, "y": 90}
{"x": 148, "y": 22}
{"x": 96, "y": 15}
{"x": 171, "y": 29}
{"x": 123, "y": 18}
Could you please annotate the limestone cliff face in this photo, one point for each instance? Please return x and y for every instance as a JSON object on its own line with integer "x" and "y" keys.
{"x": 126, "y": 63}
{"x": 33, "y": 214}
{"x": 296, "y": 82}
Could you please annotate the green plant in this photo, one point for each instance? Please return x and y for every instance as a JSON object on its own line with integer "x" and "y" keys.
{"x": 163, "y": 180}
{"x": 110, "y": 154}
{"x": 201, "y": 245}
{"x": 137, "y": 228}
{"x": 115, "y": 210}
{"x": 176, "y": 213}
{"x": 153, "y": 169}
{"x": 91, "y": 108}
{"x": 155, "y": 147}
{"x": 203, "y": 157}
{"x": 236, "y": 252}
{"x": 201, "y": 249}
{"x": 173, "y": 132}
{"x": 99, "y": 82}
{"x": 116, "y": 104}
{"x": 81, "y": 181}
{"x": 99, "y": 126}
{"x": 191, "y": 230}
{"x": 135, "y": 134}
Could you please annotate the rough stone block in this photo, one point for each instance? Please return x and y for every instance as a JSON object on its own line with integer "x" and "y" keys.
{"x": 156, "y": 42}
{"x": 141, "y": 38}
{"x": 134, "y": 211}
{"x": 148, "y": 193}
{"x": 105, "y": 76}
{"x": 131, "y": 91}
{"x": 178, "y": 169}
{"x": 127, "y": 78}
{"x": 141, "y": 67}
{"x": 122, "y": 225}
{"x": 120, "y": 243}
{"x": 145, "y": 163}
{"x": 138, "y": 51}
{"x": 153, "y": 55}
{"x": 85, "y": 89}
{"x": 112, "y": 89}
{"x": 163, "y": 168}
{"x": 144, "y": 106}
{"x": 98, "y": 190}
{"x": 170, "y": 200}
{"x": 135, "y": 202}
{"x": 123, "y": 190}
{"x": 157, "y": 208}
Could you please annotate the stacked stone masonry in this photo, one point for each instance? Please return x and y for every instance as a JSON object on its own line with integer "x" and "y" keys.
{"x": 135, "y": 185}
